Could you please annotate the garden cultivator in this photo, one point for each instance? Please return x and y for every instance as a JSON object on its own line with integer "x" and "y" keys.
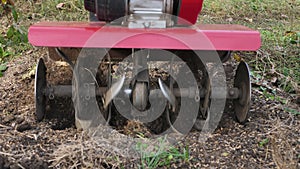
{"x": 142, "y": 37}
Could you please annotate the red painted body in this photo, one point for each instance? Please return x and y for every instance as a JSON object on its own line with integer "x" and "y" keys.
{"x": 189, "y": 11}
{"x": 199, "y": 37}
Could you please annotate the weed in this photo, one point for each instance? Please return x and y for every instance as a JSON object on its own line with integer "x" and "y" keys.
{"x": 3, "y": 67}
{"x": 292, "y": 37}
{"x": 292, "y": 111}
{"x": 272, "y": 95}
{"x": 162, "y": 155}
{"x": 3, "y": 54}
{"x": 263, "y": 142}
{"x": 14, "y": 41}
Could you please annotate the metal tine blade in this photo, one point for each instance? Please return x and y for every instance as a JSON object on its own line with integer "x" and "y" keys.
{"x": 113, "y": 91}
{"x": 167, "y": 93}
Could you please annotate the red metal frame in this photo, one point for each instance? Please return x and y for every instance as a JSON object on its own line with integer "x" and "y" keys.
{"x": 199, "y": 37}
{"x": 189, "y": 11}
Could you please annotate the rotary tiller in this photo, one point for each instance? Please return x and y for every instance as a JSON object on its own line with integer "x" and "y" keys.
{"x": 145, "y": 31}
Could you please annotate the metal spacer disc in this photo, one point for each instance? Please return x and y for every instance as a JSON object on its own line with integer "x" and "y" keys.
{"x": 39, "y": 88}
{"x": 242, "y": 82}
{"x": 140, "y": 96}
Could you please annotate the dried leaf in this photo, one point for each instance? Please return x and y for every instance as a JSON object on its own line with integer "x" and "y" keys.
{"x": 225, "y": 154}
{"x": 30, "y": 73}
{"x": 10, "y": 2}
{"x": 274, "y": 79}
{"x": 237, "y": 57}
{"x": 60, "y": 5}
{"x": 249, "y": 19}
{"x": 229, "y": 19}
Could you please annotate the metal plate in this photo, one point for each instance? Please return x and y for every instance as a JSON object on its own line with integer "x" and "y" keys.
{"x": 242, "y": 82}
{"x": 39, "y": 87}
{"x": 91, "y": 35}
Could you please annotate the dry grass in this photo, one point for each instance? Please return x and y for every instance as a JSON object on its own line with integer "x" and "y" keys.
{"x": 283, "y": 146}
{"x": 85, "y": 153}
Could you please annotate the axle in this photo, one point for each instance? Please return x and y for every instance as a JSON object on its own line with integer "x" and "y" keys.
{"x": 66, "y": 91}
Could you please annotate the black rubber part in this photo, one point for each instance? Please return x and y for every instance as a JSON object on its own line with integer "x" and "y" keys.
{"x": 93, "y": 17}
{"x": 110, "y": 10}
{"x": 90, "y": 5}
{"x": 242, "y": 82}
{"x": 176, "y": 7}
{"x": 224, "y": 55}
{"x": 40, "y": 85}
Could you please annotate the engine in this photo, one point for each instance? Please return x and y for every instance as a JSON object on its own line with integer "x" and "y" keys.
{"x": 149, "y": 13}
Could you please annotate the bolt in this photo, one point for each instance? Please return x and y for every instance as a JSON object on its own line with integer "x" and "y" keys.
{"x": 231, "y": 92}
{"x": 51, "y": 96}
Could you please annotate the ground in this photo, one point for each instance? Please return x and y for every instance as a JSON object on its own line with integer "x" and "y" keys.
{"x": 269, "y": 139}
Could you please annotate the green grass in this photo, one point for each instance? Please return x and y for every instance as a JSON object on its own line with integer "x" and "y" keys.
{"x": 263, "y": 142}
{"x": 71, "y": 10}
{"x": 13, "y": 38}
{"x": 279, "y": 25}
{"x": 160, "y": 155}
{"x": 292, "y": 111}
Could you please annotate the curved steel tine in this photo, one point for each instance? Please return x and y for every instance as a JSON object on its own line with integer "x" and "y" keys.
{"x": 167, "y": 93}
{"x": 113, "y": 91}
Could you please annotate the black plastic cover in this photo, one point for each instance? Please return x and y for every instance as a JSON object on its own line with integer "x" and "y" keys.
{"x": 106, "y": 10}
{"x": 90, "y": 5}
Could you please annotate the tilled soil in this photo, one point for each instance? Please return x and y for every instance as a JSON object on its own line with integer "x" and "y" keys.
{"x": 269, "y": 139}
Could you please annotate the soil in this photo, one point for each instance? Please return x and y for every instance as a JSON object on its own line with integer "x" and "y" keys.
{"x": 269, "y": 139}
